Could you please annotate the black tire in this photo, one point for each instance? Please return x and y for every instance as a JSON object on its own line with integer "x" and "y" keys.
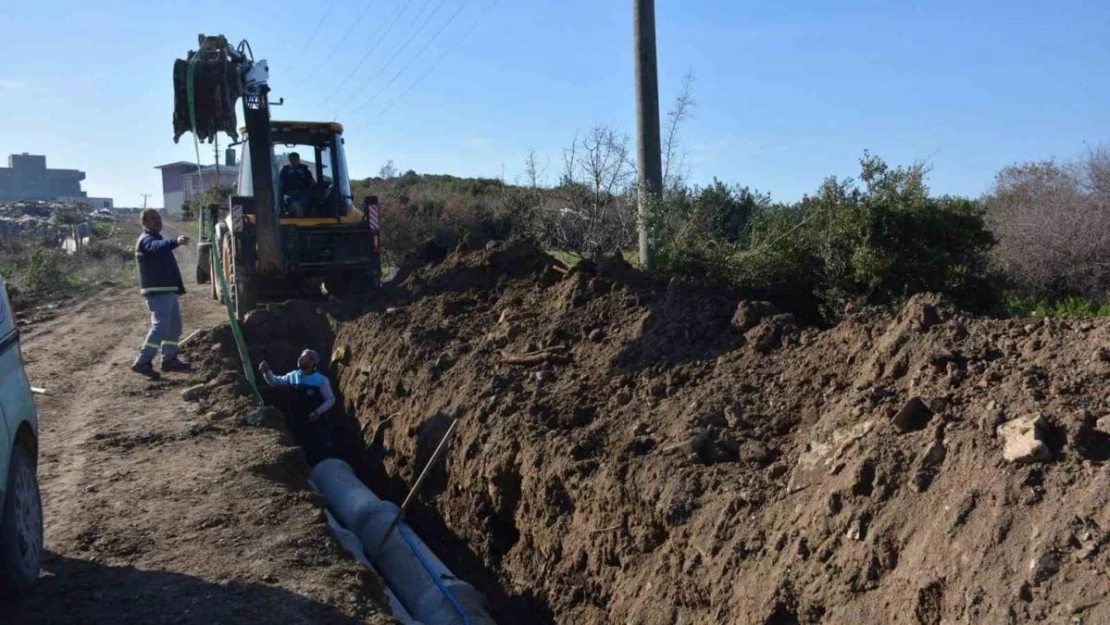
{"x": 204, "y": 264}
{"x": 20, "y": 528}
{"x": 214, "y": 287}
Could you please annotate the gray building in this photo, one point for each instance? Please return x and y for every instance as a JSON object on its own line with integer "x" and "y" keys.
{"x": 173, "y": 184}
{"x": 181, "y": 182}
{"x": 27, "y": 178}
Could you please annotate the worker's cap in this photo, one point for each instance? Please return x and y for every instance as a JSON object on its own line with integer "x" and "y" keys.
{"x": 311, "y": 355}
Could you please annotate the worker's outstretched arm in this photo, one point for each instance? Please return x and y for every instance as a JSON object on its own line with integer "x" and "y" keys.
{"x": 274, "y": 380}
{"x": 278, "y": 380}
{"x": 149, "y": 245}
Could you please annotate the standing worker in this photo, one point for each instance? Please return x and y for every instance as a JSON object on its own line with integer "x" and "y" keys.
{"x": 160, "y": 283}
{"x": 312, "y": 401}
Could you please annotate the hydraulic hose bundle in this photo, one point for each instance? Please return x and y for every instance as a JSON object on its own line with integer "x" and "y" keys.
{"x": 214, "y": 85}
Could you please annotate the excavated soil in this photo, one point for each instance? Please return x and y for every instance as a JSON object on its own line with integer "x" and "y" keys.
{"x": 631, "y": 451}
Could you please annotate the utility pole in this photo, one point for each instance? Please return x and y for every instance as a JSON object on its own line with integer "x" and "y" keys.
{"x": 649, "y": 159}
{"x": 216, "y": 154}
{"x": 145, "y": 197}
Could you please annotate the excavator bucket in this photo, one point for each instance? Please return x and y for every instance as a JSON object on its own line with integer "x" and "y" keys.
{"x": 206, "y": 86}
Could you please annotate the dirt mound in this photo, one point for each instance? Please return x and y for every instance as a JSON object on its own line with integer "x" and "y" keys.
{"x": 489, "y": 268}
{"x": 636, "y": 451}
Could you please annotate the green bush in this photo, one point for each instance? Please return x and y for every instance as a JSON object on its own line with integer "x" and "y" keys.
{"x": 1070, "y": 307}
{"x": 875, "y": 243}
{"x": 416, "y": 208}
{"x": 103, "y": 229}
{"x": 42, "y": 271}
{"x": 217, "y": 194}
{"x": 700, "y": 231}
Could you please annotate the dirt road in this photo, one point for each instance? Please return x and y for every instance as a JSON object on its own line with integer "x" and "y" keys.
{"x": 157, "y": 514}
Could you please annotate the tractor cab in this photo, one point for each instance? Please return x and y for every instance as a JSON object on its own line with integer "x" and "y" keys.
{"x": 317, "y": 189}
{"x": 292, "y": 226}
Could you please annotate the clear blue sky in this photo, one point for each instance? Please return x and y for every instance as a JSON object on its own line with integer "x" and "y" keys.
{"x": 788, "y": 93}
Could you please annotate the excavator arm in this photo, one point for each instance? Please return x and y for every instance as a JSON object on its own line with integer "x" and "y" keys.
{"x": 208, "y": 83}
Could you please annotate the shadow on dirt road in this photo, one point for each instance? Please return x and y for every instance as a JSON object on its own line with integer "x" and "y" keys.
{"x": 81, "y": 591}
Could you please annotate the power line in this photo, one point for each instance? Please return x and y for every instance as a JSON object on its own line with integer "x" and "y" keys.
{"x": 316, "y": 30}
{"x": 439, "y": 59}
{"x": 396, "y": 53}
{"x": 414, "y": 58}
{"x": 371, "y": 51}
{"x": 342, "y": 40}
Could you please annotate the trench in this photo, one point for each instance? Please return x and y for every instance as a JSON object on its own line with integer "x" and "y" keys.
{"x": 552, "y": 499}
{"x": 362, "y": 445}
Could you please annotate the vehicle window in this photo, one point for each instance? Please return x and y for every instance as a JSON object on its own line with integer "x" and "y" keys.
{"x": 325, "y": 164}
{"x": 344, "y": 179}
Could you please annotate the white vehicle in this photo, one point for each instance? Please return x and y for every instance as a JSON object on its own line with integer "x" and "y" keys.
{"x": 20, "y": 504}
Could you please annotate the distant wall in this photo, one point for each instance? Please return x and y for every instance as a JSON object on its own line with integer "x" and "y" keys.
{"x": 172, "y": 201}
{"x": 27, "y": 178}
{"x": 91, "y": 202}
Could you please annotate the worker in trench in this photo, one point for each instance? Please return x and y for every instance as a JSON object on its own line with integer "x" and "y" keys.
{"x": 313, "y": 398}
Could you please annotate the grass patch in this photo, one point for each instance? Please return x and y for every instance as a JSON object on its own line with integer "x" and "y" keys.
{"x": 42, "y": 272}
{"x": 570, "y": 259}
{"x": 1071, "y": 307}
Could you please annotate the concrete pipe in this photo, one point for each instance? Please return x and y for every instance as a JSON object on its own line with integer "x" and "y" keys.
{"x": 425, "y": 586}
{"x": 348, "y": 498}
{"x": 351, "y": 543}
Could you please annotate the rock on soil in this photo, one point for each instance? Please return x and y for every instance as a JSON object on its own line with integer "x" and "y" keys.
{"x": 749, "y": 314}
{"x": 194, "y": 393}
{"x": 700, "y": 464}
{"x": 1023, "y": 440}
{"x": 913, "y": 416}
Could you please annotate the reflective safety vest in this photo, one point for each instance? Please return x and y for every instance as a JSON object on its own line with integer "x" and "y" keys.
{"x": 157, "y": 267}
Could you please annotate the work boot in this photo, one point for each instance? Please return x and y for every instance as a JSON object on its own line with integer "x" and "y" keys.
{"x": 173, "y": 364}
{"x": 145, "y": 369}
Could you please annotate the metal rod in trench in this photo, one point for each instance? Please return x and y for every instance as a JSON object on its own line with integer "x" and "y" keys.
{"x": 419, "y": 481}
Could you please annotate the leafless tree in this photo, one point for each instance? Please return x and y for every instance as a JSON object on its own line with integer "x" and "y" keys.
{"x": 1052, "y": 221}
{"x": 596, "y": 215}
{"x": 674, "y": 156}
{"x": 524, "y": 201}
{"x": 592, "y": 208}
{"x": 534, "y": 173}
{"x": 388, "y": 171}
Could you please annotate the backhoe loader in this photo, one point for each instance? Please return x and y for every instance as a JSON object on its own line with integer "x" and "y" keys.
{"x": 270, "y": 244}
